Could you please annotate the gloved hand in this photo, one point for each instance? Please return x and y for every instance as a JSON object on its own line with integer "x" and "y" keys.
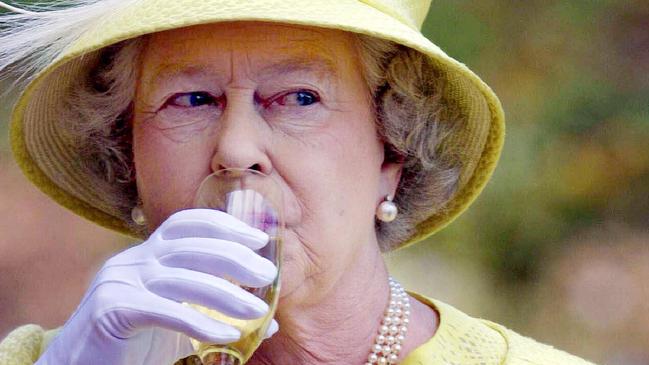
{"x": 133, "y": 312}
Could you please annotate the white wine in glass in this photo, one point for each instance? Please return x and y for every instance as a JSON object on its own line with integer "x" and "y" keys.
{"x": 255, "y": 199}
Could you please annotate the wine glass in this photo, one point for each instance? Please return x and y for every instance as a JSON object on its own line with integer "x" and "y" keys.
{"x": 256, "y": 199}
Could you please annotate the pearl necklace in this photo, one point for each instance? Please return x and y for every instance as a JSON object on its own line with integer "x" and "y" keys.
{"x": 394, "y": 327}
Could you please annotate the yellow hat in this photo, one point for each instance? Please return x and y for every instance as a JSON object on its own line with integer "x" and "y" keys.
{"x": 47, "y": 158}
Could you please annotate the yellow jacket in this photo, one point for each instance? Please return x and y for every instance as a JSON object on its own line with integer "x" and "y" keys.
{"x": 459, "y": 339}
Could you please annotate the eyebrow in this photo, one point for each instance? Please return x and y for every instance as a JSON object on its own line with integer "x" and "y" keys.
{"x": 320, "y": 65}
{"x": 167, "y": 72}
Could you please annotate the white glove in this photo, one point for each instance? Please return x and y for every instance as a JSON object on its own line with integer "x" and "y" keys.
{"x": 133, "y": 312}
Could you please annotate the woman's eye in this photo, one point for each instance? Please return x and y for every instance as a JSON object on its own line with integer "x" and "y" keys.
{"x": 192, "y": 99}
{"x": 298, "y": 98}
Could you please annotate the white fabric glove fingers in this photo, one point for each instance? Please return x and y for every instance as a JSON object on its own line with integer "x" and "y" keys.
{"x": 272, "y": 329}
{"x": 122, "y": 320}
{"x": 220, "y": 258}
{"x": 163, "y": 347}
{"x": 210, "y": 223}
{"x": 183, "y": 285}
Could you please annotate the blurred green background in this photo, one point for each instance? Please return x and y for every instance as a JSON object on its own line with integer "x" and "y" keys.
{"x": 557, "y": 247}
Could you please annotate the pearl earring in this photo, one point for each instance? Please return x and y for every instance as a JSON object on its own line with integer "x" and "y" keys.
{"x": 137, "y": 215}
{"x": 387, "y": 210}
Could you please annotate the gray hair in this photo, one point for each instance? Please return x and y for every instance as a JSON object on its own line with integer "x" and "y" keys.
{"x": 413, "y": 119}
{"x": 412, "y": 116}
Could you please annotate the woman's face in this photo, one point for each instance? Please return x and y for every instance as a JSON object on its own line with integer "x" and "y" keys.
{"x": 289, "y": 101}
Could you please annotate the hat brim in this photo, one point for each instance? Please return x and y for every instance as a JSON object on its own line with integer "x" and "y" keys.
{"x": 48, "y": 161}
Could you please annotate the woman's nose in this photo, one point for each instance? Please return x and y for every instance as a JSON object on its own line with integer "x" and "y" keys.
{"x": 241, "y": 140}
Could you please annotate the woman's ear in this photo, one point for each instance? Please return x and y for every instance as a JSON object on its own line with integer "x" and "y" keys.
{"x": 390, "y": 177}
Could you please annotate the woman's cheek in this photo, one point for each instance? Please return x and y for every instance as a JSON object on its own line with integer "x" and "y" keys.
{"x": 167, "y": 172}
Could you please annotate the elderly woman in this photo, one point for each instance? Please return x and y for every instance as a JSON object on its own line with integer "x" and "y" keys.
{"x": 129, "y": 104}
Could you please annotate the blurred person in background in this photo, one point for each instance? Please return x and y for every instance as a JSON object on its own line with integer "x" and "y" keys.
{"x": 378, "y": 138}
